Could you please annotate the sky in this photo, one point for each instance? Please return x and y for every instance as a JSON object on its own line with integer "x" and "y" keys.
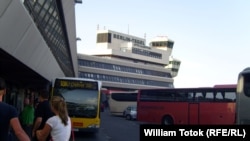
{"x": 211, "y": 37}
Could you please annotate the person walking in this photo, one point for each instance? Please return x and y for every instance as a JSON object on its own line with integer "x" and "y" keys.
{"x": 59, "y": 125}
{"x": 42, "y": 113}
{"x": 27, "y": 117}
{"x": 9, "y": 118}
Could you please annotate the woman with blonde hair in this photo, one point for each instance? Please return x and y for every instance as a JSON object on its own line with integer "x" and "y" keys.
{"x": 59, "y": 126}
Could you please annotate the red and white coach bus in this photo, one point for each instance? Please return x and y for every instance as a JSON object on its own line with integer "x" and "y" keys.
{"x": 190, "y": 106}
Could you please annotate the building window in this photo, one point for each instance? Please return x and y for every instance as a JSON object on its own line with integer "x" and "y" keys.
{"x": 104, "y": 38}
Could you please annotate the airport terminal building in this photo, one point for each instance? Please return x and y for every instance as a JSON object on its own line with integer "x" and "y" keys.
{"x": 124, "y": 61}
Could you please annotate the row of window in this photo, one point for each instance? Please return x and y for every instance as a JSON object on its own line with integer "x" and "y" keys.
{"x": 146, "y": 53}
{"x": 121, "y": 68}
{"x": 168, "y": 44}
{"x": 175, "y": 63}
{"x": 47, "y": 18}
{"x": 111, "y": 78}
{"x": 189, "y": 95}
{"x": 124, "y": 96}
{"x": 174, "y": 70}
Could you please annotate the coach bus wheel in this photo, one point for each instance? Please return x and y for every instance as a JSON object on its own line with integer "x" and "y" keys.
{"x": 128, "y": 117}
{"x": 167, "y": 120}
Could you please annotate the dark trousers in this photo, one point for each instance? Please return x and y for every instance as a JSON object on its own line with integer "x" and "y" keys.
{"x": 28, "y": 130}
{"x": 34, "y": 139}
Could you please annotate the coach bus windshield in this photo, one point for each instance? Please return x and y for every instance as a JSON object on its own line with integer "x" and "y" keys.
{"x": 80, "y": 102}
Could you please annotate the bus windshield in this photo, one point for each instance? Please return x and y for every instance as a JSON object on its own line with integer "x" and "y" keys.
{"x": 80, "y": 102}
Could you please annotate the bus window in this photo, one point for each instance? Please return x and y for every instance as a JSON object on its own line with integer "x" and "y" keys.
{"x": 247, "y": 87}
{"x": 218, "y": 96}
{"x": 190, "y": 96}
{"x": 209, "y": 96}
{"x": 165, "y": 96}
{"x": 199, "y": 96}
{"x": 230, "y": 96}
{"x": 181, "y": 96}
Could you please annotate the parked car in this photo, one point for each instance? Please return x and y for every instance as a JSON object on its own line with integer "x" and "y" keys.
{"x": 130, "y": 113}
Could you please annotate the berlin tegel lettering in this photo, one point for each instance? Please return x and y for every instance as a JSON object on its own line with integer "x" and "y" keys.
{"x": 152, "y": 107}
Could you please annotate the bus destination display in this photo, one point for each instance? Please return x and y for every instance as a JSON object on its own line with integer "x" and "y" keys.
{"x": 76, "y": 84}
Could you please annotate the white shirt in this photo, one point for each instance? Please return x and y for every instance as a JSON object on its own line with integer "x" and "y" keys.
{"x": 59, "y": 132}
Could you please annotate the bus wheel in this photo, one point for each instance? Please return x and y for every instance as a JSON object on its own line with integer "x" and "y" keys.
{"x": 167, "y": 120}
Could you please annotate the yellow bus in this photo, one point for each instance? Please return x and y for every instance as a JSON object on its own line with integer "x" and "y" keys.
{"x": 83, "y": 101}
{"x": 243, "y": 97}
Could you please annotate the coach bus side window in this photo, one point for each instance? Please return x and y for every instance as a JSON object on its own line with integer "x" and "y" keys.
{"x": 230, "y": 96}
{"x": 180, "y": 96}
{"x": 218, "y": 96}
{"x": 166, "y": 95}
{"x": 209, "y": 96}
{"x": 145, "y": 96}
{"x": 199, "y": 96}
{"x": 190, "y": 96}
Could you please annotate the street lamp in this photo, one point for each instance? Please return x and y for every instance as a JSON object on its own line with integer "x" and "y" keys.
{"x": 78, "y": 1}
{"x": 78, "y": 39}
